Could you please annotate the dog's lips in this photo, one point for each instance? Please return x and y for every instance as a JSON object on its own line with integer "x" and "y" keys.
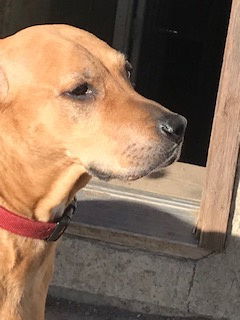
{"x": 96, "y": 172}
{"x": 135, "y": 173}
{"x": 174, "y": 157}
{"x": 167, "y": 163}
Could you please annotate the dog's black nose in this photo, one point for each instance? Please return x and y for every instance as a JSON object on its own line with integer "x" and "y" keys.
{"x": 173, "y": 126}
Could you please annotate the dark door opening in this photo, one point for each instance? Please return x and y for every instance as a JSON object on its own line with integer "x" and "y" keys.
{"x": 180, "y": 63}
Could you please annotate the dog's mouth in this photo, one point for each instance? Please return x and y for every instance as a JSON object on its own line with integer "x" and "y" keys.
{"x": 137, "y": 172}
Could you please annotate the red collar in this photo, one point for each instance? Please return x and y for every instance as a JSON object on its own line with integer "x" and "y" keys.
{"x": 49, "y": 231}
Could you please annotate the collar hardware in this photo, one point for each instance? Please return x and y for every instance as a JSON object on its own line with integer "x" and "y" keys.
{"x": 63, "y": 222}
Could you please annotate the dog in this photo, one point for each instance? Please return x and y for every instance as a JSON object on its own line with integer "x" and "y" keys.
{"x": 68, "y": 112}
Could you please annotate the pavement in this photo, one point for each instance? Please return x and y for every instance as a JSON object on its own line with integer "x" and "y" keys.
{"x": 59, "y": 309}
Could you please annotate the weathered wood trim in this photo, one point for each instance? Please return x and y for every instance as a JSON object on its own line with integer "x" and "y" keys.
{"x": 224, "y": 144}
{"x": 137, "y": 241}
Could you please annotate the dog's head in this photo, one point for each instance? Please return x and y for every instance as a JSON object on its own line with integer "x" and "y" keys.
{"x": 70, "y": 96}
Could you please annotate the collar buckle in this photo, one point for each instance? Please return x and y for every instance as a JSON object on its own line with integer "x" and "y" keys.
{"x": 63, "y": 222}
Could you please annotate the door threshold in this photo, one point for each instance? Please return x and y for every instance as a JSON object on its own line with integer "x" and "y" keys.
{"x": 136, "y": 218}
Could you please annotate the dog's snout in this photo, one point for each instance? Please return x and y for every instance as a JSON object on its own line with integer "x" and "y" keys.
{"x": 173, "y": 126}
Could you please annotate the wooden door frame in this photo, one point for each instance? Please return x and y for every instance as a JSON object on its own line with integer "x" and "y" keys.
{"x": 224, "y": 145}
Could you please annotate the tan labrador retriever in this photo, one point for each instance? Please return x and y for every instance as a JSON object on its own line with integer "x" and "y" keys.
{"x": 67, "y": 112}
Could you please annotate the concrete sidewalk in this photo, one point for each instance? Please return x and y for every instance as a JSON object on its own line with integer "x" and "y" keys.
{"x": 58, "y": 309}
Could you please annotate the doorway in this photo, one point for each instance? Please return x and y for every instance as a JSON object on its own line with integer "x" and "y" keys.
{"x": 180, "y": 62}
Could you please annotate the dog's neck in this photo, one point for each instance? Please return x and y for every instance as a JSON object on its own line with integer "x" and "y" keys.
{"x": 31, "y": 188}
{"x": 36, "y": 188}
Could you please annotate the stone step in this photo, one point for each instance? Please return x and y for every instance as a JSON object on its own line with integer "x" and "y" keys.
{"x": 60, "y": 309}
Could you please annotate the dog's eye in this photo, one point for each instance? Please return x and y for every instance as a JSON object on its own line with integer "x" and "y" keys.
{"x": 81, "y": 92}
{"x": 128, "y": 69}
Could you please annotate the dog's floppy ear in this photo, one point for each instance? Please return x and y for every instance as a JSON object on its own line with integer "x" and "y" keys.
{"x": 3, "y": 85}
